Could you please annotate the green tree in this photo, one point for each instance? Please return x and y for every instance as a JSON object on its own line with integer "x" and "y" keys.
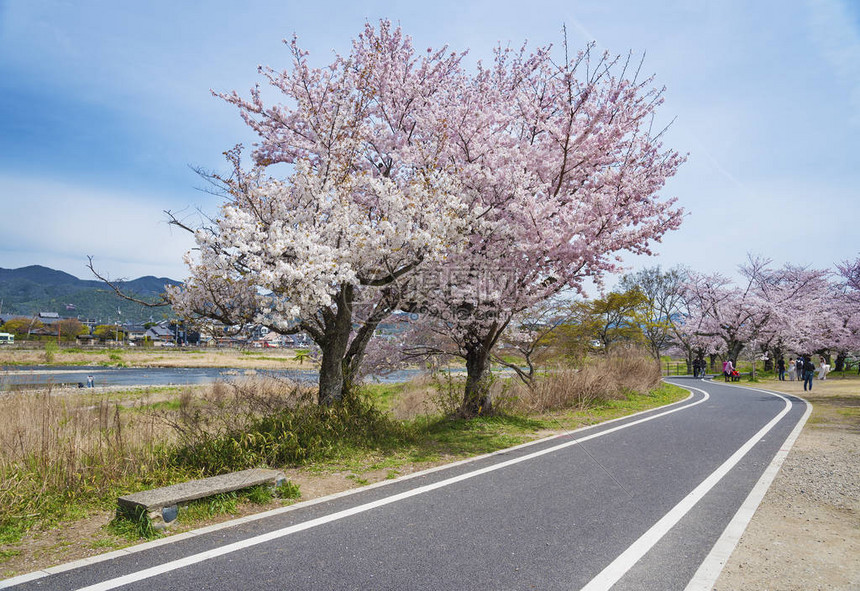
{"x": 108, "y": 332}
{"x": 573, "y": 338}
{"x": 663, "y": 306}
{"x": 22, "y": 326}
{"x": 618, "y": 317}
{"x": 70, "y": 328}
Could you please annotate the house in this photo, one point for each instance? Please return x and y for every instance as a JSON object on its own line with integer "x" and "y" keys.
{"x": 160, "y": 335}
{"x": 135, "y": 332}
{"x": 48, "y": 318}
{"x": 86, "y": 340}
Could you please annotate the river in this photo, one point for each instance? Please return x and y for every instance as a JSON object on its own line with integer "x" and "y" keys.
{"x": 30, "y": 377}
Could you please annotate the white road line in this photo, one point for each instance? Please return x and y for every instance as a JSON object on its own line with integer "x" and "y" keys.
{"x": 710, "y": 569}
{"x": 627, "y": 559}
{"x": 236, "y": 546}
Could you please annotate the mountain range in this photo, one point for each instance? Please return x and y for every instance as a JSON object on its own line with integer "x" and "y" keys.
{"x": 30, "y": 290}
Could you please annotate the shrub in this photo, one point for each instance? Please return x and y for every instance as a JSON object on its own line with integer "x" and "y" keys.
{"x": 294, "y": 432}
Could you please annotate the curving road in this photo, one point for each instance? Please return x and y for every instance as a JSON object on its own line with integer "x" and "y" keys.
{"x": 653, "y": 501}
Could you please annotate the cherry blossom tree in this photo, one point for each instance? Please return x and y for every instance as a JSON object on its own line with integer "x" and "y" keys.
{"x": 791, "y": 308}
{"x": 849, "y": 309}
{"x": 724, "y": 317}
{"x": 365, "y": 200}
{"x": 413, "y": 184}
{"x": 804, "y": 312}
{"x": 562, "y": 171}
{"x": 850, "y": 272}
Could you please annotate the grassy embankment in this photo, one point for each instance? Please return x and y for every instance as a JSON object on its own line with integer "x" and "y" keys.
{"x": 65, "y": 457}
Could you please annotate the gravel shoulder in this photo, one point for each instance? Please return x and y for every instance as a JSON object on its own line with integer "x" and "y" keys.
{"x": 805, "y": 535}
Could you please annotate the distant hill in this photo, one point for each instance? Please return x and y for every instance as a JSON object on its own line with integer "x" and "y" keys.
{"x": 30, "y": 290}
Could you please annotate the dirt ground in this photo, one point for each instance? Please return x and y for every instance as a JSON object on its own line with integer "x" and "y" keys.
{"x": 159, "y": 357}
{"x": 804, "y": 536}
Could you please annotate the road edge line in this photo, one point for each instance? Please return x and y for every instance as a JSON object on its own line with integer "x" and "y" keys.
{"x": 621, "y": 564}
{"x": 711, "y": 568}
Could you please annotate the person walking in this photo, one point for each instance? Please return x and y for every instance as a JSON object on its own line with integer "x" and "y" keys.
{"x": 823, "y": 368}
{"x": 728, "y": 368}
{"x": 780, "y": 367}
{"x": 808, "y": 373}
{"x": 792, "y": 369}
{"x": 799, "y": 367}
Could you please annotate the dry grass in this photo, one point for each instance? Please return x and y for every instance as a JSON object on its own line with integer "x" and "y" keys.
{"x": 61, "y": 449}
{"x": 602, "y": 378}
{"x": 609, "y": 377}
{"x": 417, "y": 397}
{"x": 835, "y": 401}
{"x": 159, "y": 357}
{"x": 222, "y": 407}
{"x": 55, "y": 449}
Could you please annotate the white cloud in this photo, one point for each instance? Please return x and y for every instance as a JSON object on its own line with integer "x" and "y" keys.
{"x": 127, "y": 234}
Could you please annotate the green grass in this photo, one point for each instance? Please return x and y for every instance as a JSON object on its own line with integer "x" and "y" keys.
{"x": 104, "y": 544}
{"x": 263, "y": 357}
{"x": 163, "y": 405}
{"x": 612, "y": 409}
{"x": 466, "y": 437}
{"x": 358, "y": 479}
{"x": 384, "y": 396}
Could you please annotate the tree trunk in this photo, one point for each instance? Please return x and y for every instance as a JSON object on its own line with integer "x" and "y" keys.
{"x": 476, "y": 399}
{"x": 333, "y": 345}
{"x": 776, "y": 353}
{"x": 331, "y": 387}
{"x": 355, "y": 353}
{"x": 734, "y": 351}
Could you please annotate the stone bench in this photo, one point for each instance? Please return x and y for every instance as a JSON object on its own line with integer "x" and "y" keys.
{"x": 162, "y": 504}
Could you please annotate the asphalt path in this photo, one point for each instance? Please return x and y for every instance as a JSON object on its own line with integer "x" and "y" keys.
{"x": 652, "y": 501}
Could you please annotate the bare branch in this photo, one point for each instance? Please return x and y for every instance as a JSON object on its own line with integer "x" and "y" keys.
{"x": 115, "y": 286}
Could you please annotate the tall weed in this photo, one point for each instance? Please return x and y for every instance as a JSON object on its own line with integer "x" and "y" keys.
{"x": 59, "y": 451}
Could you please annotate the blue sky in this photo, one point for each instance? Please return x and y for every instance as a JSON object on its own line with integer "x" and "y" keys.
{"x": 105, "y": 107}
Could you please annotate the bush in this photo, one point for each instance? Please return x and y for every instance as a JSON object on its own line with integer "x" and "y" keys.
{"x": 50, "y": 351}
{"x": 298, "y": 432}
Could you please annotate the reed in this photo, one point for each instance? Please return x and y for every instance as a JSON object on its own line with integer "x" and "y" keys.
{"x": 601, "y": 378}
{"x": 56, "y": 451}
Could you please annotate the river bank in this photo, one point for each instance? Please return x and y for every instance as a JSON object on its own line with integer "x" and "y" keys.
{"x": 260, "y": 359}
